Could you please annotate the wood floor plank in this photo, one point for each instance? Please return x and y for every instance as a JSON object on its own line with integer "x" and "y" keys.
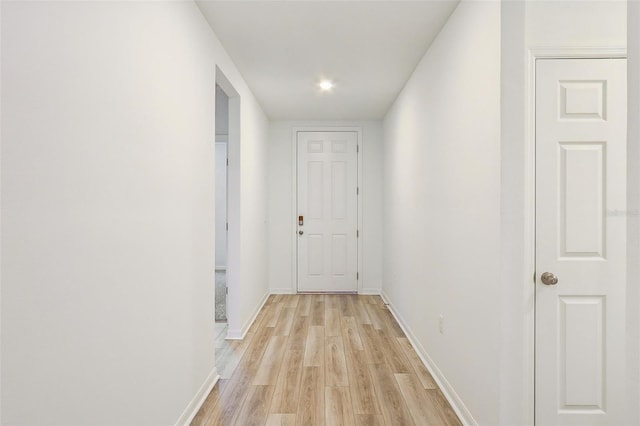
{"x": 332, "y": 322}
{"x": 257, "y": 323}
{"x": 360, "y": 311}
{"x": 272, "y": 315}
{"x": 377, "y": 299}
{"x": 423, "y": 409}
{"x": 345, "y": 306}
{"x": 255, "y": 409}
{"x": 374, "y": 314}
{"x": 285, "y": 396}
{"x": 271, "y": 299}
{"x": 369, "y": 420}
{"x": 335, "y": 362}
{"x": 314, "y": 347}
{"x": 267, "y": 373}
{"x": 291, "y": 301}
{"x": 372, "y": 344}
{"x": 391, "y": 323}
{"x": 227, "y": 363}
{"x": 299, "y": 332}
{"x": 285, "y": 321}
{"x": 363, "y": 395}
{"x": 331, "y": 301}
{"x": 370, "y": 298}
{"x": 203, "y": 416}
{"x": 304, "y": 305}
{"x": 231, "y": 399}
{"x": 449, "y": 416}
{"x": 251, "y": 359}
{"x": 311, "y": 404}
{"x": 418, "y": 367}
{"x": 281, "y": 420}
{"x": 317, "y": 312}
{"x": 350, "y": 334}
{"x": 394, "y": 408}
{"x": 338, "y": 408}
{"x": 393, "y": 353}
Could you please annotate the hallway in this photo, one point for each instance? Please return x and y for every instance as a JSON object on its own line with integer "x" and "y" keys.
{"x": 461, "y": 207}
{"x": 324, "y": 359}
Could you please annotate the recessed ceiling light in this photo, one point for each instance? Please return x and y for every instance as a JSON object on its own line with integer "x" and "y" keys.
{"x": 326, "y": 85}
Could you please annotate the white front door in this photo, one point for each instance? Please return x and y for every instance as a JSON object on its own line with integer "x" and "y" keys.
{"x": 327, "y": 216}
{"x": 581, "y": 240}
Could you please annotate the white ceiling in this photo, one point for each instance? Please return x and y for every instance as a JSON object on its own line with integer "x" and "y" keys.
{"x": 284, "y": 48}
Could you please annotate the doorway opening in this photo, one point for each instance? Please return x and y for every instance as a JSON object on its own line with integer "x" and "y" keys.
{"x": 221, "y": 223}
{"x": 227, "y": 212}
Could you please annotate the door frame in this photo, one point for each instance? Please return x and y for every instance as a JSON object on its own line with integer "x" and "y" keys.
{"x": 533, "y": 54}
{"x": 234, "y": 255}
{"x": 294, "y": 196}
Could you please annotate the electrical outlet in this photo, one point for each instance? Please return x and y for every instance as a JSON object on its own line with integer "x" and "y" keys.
{"x": 441, "y": 324}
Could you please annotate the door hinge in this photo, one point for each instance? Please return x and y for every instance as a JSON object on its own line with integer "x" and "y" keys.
{"x": 534, "y": 277}
{"x": 227, "y": 226}
{"x": 357, "y": 275}
{"x": 227, "y": 162}
{"x": 357, "y": 148}
{"x": 357, "y": 233}
{"x": 226, "y": 289}
{"x": 357, "y": 190}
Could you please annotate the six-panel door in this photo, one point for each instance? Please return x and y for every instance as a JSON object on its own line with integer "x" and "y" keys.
{"x": 327, "y": 179}
{"x": 581, "y": 239}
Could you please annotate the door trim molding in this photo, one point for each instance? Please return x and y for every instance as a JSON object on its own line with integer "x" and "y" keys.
{"x": 294, "y": 195}
{"x": 533, "y": 54}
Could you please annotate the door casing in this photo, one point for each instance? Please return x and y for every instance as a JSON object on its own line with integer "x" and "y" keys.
{"x": 529, "y": 189}
{"x": 294, "y": 192}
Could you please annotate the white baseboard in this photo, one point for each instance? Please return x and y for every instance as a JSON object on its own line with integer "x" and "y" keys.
{"x": 199, "y": 398}
{"x": 283, "y": 291}
{"x": 239, "y": 334}
{"x": 369, "y": 291}
{"x": 449, "y": 393}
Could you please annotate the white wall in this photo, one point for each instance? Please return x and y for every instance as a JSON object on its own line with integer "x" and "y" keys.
{"x": 247, "y": 277}
{"x": 516, "y": 303}
{"x": 108, "y": 204}
{"x": 281, "y": 203}
{"x": 558, "y": 23}
{"x": 442, "y": 206}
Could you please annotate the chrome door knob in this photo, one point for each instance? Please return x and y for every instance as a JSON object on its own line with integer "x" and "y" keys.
{"x": 301, "y": 232}
{"x": 549, "y": 279}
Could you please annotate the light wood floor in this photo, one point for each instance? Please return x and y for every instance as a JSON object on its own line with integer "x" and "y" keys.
{"x": 323, "y": 360}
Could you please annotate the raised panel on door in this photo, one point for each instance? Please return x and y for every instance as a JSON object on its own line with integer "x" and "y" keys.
{"x": 580, "y": 180}
{"x": 327, "y": 204}
{"x": 582, "y": 225}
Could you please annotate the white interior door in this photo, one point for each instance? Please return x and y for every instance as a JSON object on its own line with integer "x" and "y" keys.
{"x": 581, "y": 239}
{"x": 327, "y": 216}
